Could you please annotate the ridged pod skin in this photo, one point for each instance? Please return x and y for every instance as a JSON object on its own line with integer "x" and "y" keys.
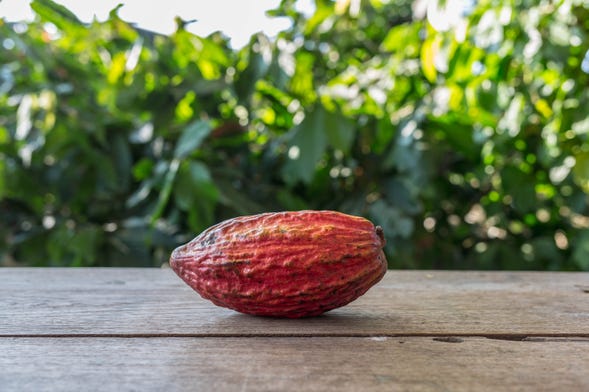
{"x": 284, "y": 264}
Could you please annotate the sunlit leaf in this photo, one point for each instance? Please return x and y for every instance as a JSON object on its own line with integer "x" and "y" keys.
{"x": 302, "y": 81}
{"x": 543, "y": 107}
{"x": 403, "y": 38}
{"x": 56, "y": 14}
{"x": 429, "y": 50}
{"x": 323, "y": 11}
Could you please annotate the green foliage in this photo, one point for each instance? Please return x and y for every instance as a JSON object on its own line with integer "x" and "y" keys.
{"x": 463, "y": 135}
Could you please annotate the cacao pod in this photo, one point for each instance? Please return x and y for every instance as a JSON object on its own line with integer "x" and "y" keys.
{"x": 284, "y": 264}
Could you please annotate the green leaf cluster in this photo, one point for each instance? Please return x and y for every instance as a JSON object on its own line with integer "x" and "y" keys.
{"x": 463, "y": 133}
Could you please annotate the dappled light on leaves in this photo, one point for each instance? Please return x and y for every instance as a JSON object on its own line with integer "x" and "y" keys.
{"x": 458, "y": 126}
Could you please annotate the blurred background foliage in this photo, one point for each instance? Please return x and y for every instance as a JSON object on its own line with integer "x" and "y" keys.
{"x": 460, "y": 127}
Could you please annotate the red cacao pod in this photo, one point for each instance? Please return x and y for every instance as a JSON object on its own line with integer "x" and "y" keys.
{"x": 284, "y": 264}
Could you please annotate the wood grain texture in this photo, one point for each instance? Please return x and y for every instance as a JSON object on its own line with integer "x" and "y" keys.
{"x": 291, "y": 364}
{"x": 157, "y": 302}
{"x": 144, "y": 329}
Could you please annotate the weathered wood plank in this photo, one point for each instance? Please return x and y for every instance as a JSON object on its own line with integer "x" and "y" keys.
{"x": 291, "y": 364}
{"x": 154, "y": 301}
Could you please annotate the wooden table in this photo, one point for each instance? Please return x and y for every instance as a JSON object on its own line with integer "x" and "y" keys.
{"x": 145, "y": 330}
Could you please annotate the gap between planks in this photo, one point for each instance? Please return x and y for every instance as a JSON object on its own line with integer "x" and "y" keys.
{"x": 450, "y": 338}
